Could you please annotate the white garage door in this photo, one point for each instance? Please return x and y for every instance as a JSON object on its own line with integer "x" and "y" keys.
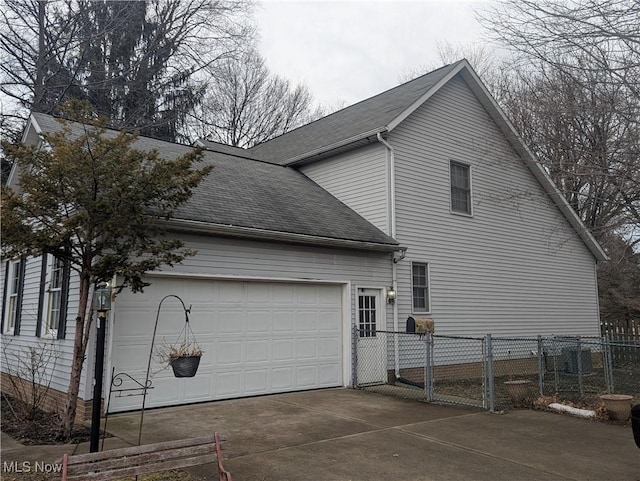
{"x": 257, "y": 338}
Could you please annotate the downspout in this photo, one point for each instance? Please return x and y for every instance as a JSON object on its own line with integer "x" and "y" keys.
{"x": 395, "y": 258}
{"x": 392, "y": 184}
{"x": 595, "y": 277}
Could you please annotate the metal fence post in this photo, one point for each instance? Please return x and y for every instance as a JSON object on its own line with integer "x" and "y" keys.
{"x": 489, "y": 361}
{"x": 541, "y": 368}
{"x": 608, "y": 364}
{"x": 428, "y": 368}
{"x": 485, "y": 382}
{"x": 556, "y": 381}
{"x": 580, "y": 380}
{"x": 354, "y": 356}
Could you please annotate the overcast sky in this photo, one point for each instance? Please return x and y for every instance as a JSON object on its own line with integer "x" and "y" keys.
{"x": 350, "y": 50}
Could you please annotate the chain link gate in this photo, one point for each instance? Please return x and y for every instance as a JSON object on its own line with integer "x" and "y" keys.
{"x": 422, "y": 366}
{"x": 459, "y": 371}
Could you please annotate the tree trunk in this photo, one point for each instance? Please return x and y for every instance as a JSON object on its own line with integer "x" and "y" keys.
{"x": 80, "y": 343}
{"x": 38, "y": 88}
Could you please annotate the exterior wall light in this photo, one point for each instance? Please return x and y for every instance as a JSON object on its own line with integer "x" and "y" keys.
{"x": 391, "y": 295}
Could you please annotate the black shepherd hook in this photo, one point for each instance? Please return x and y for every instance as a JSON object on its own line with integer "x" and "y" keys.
{"x": 153, "y": 341}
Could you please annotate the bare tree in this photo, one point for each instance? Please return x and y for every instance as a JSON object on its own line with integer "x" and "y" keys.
{"x": 30, "y": 373}
{"x": 619, "y": 282}
{"x": 571, "y": 90}
{"x": 479, "y": 56}
{"x": 139, "y": 63}
{"x": 585, "y": 135}
{"x": 247, "y": 105}
{"x": 582, "y": 35}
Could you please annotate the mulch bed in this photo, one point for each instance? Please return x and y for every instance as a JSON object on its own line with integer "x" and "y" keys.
{"x": 44, "y": 428}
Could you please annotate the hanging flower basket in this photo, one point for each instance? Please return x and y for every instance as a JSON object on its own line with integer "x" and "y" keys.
{"x": 184, "y": 354}
{"x": 185, "y": 366}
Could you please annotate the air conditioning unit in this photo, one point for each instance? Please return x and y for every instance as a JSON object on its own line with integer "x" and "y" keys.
{"x": 570, "y": 359}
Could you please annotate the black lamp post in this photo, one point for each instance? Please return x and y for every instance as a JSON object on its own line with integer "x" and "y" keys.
{"x": 101, "y": 304}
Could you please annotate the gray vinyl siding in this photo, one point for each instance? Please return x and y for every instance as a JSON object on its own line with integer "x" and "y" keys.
{"x": 252, "y": 259}
{"x": 215, "y": 257}
{"x": 359, "y": 179}
{"x": 16, "y": 348}
{"x": 515, "y": 267}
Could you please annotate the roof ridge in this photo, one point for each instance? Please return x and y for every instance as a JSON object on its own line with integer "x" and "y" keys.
{"x": 356, "y": 104}
{"x": 115, "y": 130}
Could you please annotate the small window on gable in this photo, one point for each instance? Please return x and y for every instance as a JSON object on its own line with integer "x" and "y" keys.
{"x": 12, "y": 305}
{"x": 420, "y": 287}
{"x": 460, "y": 175}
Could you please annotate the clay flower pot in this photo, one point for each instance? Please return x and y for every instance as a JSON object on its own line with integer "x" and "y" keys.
{"x": 518, "y": 391}
{"x": 618, "y": 406}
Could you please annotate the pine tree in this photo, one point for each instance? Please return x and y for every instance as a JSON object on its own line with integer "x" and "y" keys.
{"x": 92, "y": 199}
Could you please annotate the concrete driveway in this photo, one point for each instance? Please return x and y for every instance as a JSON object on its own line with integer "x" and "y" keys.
{"x": 344, "y": 434}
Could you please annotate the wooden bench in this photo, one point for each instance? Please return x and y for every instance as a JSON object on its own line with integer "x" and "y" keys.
{"x": 149, "y": 458}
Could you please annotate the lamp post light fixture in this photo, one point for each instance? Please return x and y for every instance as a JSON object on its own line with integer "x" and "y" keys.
{"x": 101, "y": 304}
{"x": 102, "y": 299}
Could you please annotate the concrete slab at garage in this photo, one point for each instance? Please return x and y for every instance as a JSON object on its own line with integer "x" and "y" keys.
{"x": 345, "y": 434}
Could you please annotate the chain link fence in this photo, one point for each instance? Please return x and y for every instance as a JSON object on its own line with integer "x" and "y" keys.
{"x": 494, "y": 372}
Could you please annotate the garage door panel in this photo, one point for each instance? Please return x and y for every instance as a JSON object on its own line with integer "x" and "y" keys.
{"x": 134, "y": 355}
{"x": 229, "y": 352}
{"x": 258, "y": 351}
{"x": 164, "y": 391}
{"x": 329, "y": 348}
{"x": 330, "y": 320}
{"x": 307, "y": 321}
{"x": 283, "y": 349}
{"x": 135, "y": 324}
{"x": 230, "y": 322}
{"x": 258, "y": 321}
{"x": 283, "y": 295}
{"x": 306, "y": 376}
{"x": 197, "y": 391}
{"x": 328, "y": 374}
{"x": 306, "y": 349}
{"x": 284, "y": 321}
{"x": 258, "y": 294}
{"x": 257, "y": 338}
{"x": 326, "y": 296}
{"x": 282, "y": 378}
{"x": 256, "y": 381}
{"x": 229, "y": 295}
{"x": 308, "y": 294}
{"x": 229, "y": 383}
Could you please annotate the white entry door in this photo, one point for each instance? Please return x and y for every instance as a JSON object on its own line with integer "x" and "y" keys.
{"x": 372, "y": 345}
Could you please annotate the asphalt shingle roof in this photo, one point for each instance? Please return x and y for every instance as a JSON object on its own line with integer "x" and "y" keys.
{"x": 260, "y": 195}
{"x": 369, "y": 115}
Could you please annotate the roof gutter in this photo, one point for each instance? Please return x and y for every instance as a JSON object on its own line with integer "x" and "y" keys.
{"x": 336, "y": 145}
{"x": 199, "y": 227}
